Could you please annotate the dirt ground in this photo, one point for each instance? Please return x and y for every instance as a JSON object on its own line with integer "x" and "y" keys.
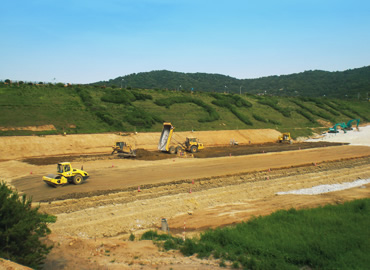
{"x": 217, "y": 187}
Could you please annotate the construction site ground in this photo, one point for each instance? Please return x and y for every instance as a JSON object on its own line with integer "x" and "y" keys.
{"x": 219, "y": 186}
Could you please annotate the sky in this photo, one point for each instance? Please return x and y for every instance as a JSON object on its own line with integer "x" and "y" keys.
{"x": 85, "y": 41}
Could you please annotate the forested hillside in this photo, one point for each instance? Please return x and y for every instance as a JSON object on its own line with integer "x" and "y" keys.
{"x": 349, "y": 84}
{"x": 94, "y": 109}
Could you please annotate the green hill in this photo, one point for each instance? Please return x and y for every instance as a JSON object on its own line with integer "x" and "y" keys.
{"x": 93, "y": 109}
{"x": 349, "y": 84}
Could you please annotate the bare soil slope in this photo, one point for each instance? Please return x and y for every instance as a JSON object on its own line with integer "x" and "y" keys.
{"x": 20, "y": 147}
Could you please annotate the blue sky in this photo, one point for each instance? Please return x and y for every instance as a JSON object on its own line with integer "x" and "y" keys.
{"x": 83, "y": 41}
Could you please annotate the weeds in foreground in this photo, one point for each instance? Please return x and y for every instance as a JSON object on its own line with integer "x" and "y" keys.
{"x": 330, "y": 237}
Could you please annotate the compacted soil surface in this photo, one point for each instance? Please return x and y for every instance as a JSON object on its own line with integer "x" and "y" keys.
{"x": 218, "y": 186}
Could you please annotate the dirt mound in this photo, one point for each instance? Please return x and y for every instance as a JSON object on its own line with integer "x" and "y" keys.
{"x": 20, "y": 147}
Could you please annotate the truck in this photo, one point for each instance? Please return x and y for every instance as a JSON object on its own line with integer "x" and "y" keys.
{"x": 191, "y": 144}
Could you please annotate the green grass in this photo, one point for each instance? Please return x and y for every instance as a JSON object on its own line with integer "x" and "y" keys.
{"x": 330, "y": 237}
{"x": 95, "y": 110}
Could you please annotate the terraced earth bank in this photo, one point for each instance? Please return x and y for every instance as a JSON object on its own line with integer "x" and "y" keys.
{"x": 130, "y": 196}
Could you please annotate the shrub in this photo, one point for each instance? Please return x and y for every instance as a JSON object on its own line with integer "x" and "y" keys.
{"x": 317, "y": 113}
{"x": 21, "y": 228}
{"x": 284, "y": 111}
{"x": 259, "y": 118}
{"x": 149, "y": 235}
{"x": 306, "y": 115}
{"x": 118, "y": 97}
{"x": 275, "y": 122}
{"x": 224, "y": 103}
{"x": 141, "y": 96}
{"x": 167, "y": 102}
{"x": 140, "y": 118}
{"x": 241, "y": 117}
{"x": 132, "y": 237}
{"x": 231, "y": 99}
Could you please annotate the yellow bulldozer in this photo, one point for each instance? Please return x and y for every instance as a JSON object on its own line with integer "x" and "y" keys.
{"x": 285, "y": 138}
{"x": 191, "y": 144}
{"x": 65, "y": 174}
{"x": 123, "y": 150}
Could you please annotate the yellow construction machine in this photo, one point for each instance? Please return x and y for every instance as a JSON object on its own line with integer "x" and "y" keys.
{"x": 285, "y": 138}
{"x": 123, "y": 150}
{"x": 191, "y": 144}
{"x": 65, "y": 174}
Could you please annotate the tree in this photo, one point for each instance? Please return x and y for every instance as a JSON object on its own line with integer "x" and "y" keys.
{"x": 21, "y": 229}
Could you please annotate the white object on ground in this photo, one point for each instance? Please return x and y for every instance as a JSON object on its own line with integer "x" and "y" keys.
{"x": 326, "y": 188}
{"x": 352, "y": 137}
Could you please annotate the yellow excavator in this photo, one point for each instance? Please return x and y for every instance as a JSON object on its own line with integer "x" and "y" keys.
{"x": 65, "y": 174}
{"x": 191, "y": 144}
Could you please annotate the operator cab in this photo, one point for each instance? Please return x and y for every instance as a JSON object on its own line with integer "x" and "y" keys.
{"x": 190, "y": 141}
{"x": 63, "y": 167}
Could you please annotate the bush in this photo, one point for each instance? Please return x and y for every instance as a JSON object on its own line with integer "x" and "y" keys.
{"x": 268, "y": 102}
{"x": 317, "y": 113}
{"x": 275, "y": 122}
{"x": 118, "y": 97}
{"x": 21, "y": 228}
{"x": 231, "y": 99}
{"x": 212, "y": 114}
{"x": 306, "y": 115}
{"x": 241, "y": 117}
{"x": 149, "y": 235}
{"x": 227, "y": 102}
{"x": 140, "y": 118}
{"x": 259, "y": 118}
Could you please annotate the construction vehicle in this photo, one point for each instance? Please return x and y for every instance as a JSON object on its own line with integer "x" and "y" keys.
{"x": 285, "y": 138}
{"x": 65, "y": 174}
{"x": 123, "y": 150}
{"x": 349, "y": 124}
{"x": 191, "y": 144}
{"x": 335, "y": 130}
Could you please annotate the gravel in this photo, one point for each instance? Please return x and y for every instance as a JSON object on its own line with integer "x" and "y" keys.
{"x": 326, "y": 188}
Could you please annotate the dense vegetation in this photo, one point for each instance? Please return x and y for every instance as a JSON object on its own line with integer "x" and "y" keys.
{"x": 330, "y": 237}
{"x": 21, "y": 228}
{"x": 349, "y": 84}
{"x": 94, "y": 109}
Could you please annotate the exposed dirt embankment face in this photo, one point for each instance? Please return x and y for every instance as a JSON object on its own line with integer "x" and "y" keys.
{"x": 20, "y": 147}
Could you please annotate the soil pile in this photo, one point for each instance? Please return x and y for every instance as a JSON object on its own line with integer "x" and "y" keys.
{"x": 20, "y": 147}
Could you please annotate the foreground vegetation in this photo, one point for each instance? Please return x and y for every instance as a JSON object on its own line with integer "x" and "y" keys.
{"x": 330, "y": 237}
{"x": 22, "y": 229}
{"x": 92, "y": 109}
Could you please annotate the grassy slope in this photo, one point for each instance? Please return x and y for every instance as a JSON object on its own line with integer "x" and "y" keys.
{"x": 330, "y": 237}
{"x": 62, "y": 106}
